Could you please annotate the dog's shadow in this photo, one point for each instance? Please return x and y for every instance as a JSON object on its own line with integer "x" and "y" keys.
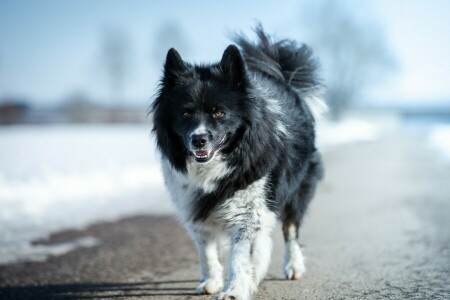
{"x": 155, "y": 289}
{"x": 102, "y": 290}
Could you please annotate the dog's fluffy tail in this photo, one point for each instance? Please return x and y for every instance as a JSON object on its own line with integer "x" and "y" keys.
{"x": 288, "y": 62}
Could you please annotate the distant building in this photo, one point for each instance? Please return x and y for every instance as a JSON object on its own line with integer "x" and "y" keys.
{"x": 13, "y": 112}
{"x": 74, "y": 110}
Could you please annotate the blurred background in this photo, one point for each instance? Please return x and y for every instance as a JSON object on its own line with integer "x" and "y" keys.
{"x": 77, "y": 79}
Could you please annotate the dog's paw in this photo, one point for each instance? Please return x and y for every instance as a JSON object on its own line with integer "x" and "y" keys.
{"x": 294, "y": 266}
{"x": 230, "y": 296}
{"x": 294, "y": 270}
{"x": 210, "y": 286}
{"x": 238, "y": 293}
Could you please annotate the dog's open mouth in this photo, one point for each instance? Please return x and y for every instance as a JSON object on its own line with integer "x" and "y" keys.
{"x": 203, "y": 155}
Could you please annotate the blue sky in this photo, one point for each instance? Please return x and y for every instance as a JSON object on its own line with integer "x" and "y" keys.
{"x": 49, "y": 49}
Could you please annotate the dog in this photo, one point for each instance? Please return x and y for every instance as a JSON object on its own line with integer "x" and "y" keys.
{"x": 237, "y": 142}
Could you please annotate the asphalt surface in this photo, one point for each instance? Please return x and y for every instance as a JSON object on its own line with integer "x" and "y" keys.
{"x": 379, "y": 228}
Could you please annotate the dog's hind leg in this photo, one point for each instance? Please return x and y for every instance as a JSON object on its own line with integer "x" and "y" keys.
{"x": 210, "y": 267}
{"x": 292, "y": 216}
{"x": 294, "y": 266}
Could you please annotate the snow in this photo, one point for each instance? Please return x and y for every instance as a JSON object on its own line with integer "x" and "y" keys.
{"x": 439, "y": 139}
{"x": 58, "y": 177}
{"x": 333, "y": 134}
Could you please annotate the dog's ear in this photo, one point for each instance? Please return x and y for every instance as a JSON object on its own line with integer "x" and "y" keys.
{"x": 174, "y": 61}
{"x": 233, "y": 66}
{"x": 173, "y": 67}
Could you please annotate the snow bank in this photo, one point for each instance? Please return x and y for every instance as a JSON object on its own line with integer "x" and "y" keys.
{"x": 333, "y": 134}
{"x": 439, "y": 139}
{"x": 60, "y": 177}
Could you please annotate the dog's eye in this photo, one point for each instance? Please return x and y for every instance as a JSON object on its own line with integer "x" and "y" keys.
{"x": 218, "y": 114}
{"x": 187, "y": 115}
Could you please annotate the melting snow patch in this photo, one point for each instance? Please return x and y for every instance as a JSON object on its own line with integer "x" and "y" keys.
{"x": 30, "y": 252}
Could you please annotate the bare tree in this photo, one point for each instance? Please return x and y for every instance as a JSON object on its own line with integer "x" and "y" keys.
{"x": 353, "y": 51}
{"x": 115, "y": 59}
{"x": 169, "y": 35}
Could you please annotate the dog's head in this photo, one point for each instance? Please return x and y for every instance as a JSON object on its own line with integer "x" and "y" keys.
{"x": 202, "y": 107}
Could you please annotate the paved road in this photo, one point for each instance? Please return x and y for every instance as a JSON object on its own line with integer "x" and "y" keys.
{"x": 379, "y": 228}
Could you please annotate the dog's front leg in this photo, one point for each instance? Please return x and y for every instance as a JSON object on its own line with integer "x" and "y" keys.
{"x": 262, "y": 249}
{"x": 241, "y": 283}
{"x": 210, "y": 267}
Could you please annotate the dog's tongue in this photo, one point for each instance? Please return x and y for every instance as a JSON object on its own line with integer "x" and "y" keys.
{"x": 202, "y": 152}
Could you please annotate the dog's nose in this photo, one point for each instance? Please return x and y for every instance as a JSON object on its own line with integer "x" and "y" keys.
{"x": 199, "y": 140}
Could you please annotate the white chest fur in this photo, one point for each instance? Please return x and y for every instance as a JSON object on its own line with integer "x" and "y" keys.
{"x": 183, "y": 187}
{"x": 205, "y": 176}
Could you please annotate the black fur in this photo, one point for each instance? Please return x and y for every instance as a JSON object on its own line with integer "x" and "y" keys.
{"x": 248, "y": 135}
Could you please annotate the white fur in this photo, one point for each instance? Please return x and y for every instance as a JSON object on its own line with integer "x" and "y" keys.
{"x": 244, "y": 218}
{"x": 182, "y": 186}
{"x": 205, "y": 175}
{"x": 316, "y": 105}
{"x": 262, "y": 88}
{"x": 250, "y": 256}
{"x": 201, "y": 129}
{"x": 313, "y": 98}
{"x": 180, "y": 189}
{"x": 294, "y": 266}
{"x": 262, "y": 251}
{"x": 210, "y": 267}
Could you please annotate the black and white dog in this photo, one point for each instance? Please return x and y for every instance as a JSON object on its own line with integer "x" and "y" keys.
{"x": 238, "y": 151}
